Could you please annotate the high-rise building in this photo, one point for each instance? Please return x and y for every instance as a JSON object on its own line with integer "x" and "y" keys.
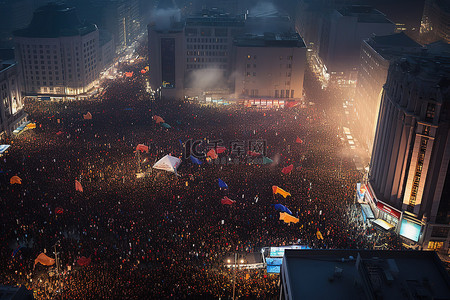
{"x": 376, "y": 54}
{"x": 13, "y": 15}
{"x": 435, "y": 24}
{"x": 11, "y": 102}
{"x": 341, "y": 36}
{"x": 166, "y": 48}
{"x": 270, "y": 66}
{"x": 57, "y": 54}
{"x": 409, "y": 166}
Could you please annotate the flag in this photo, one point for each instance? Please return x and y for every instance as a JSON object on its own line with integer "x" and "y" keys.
{"x": 319, "y": 235}
{"x": 212, "y": 153}
{"x": 282, "y": 208}
{"x": 158, "y": 119}
{"x": 142, "y": 148}
{"x": 254, "y": 154}
{"x": 287, "y": 170}
{"x": 59, "y": 132}
{"x": 195, "y": 160}
{"x": 165, "y": 125}
{"x": 44, "y": 260}
{"x": 84, "y": 261}
{"x": 222, "y": 184}
{"x": 298, "y": 140}
{"x": 15, "y": 180}
{"x": 128, "y": 74}
{"x": 31, "y": 126}
{"x": 287, "y": 218}
{"x": 87, "y": 116}
{"x": 267, "y": 160}
{"x": 277, "y": 190}
{"x": 78, "y": 186}
{"x": 227, "y": 201}
{"x": 220, "y": 149}
{"x": 59, "y": 210}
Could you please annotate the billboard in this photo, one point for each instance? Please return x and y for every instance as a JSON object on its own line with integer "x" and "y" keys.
{"x": 410, "y": 230}
{"x": 279, "y": 251}
{"x": 273, "y": 269}
{"x": 274, "y": 261}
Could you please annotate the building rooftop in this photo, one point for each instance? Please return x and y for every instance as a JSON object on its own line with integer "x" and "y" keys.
{"x": 215, "y": 17}
{"x": 393, "y": 45}
{"x": 55, "y": 20}
{"x": 270, "y": 39}
{"x": 364, "y": 13}
{"x": 364, "y": 274}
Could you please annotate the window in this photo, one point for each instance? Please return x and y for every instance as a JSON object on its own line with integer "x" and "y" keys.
{"x": 430, "y": 111}
{"x": 276, "y": 93}
{"x": 282, "y": 94}
{"x": 292, "y": 93}
{"x": 287, "y": 93}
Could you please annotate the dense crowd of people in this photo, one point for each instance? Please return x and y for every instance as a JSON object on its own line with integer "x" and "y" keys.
{"x": 165, "y": 235}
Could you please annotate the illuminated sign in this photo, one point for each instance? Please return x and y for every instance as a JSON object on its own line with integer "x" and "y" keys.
{"x": 410, "y": 230}
{"x": 381, "y": 206}
{"x": 273, "y": 269}
{"x": 279, "y": 251}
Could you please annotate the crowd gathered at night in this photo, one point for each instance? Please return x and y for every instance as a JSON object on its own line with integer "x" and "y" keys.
{"x": 165, "y": 235}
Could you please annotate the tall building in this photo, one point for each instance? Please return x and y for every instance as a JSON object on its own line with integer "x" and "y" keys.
{"x": 435, "y": 24}
{"x": 57, "y": 54}
{"x": 209, "y": 43}
{"x": 376, "y": 54}
{"x": 11, "y": 105}
{"x": 166, "y": 48}
{"x": 270, "y": 66}
{"x": 409, "y": 165}
{"x": 341, "y": 36}
{"x": 13, "y": 15}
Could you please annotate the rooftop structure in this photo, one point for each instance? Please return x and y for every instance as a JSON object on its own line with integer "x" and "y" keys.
{"x": 363, "y": 274}
{"x": 55, "y": 20}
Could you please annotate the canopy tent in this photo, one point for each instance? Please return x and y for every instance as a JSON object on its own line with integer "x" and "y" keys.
{"x": 168, "y": 163}
{"x": 282, "y": 208}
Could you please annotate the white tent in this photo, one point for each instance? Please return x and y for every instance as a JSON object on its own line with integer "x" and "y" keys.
{"x": 168, "y": 163}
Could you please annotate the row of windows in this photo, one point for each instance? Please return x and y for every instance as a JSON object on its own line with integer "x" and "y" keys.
{"x": 284, "y": 93}
{"x": 203, "y": 66}
{"x": 418, "y": 174}
{"x": 207, "y": 40}
{"x": 207, "y": 47}
{"x": 213, "y": 59}
{"x": 206, "y": 53}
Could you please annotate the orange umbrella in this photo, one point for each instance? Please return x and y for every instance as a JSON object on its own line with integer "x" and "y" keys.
{"x": 87, "y": 116}
{"x": 277, "y": 190}
{"x": 15, "y": 180}
{"x": 44, "y": 260}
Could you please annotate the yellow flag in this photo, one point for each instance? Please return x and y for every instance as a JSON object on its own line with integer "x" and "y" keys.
{"x": 287, "y": 218}
{"x": 277, "y": 190}
{"x": 319, "y": 235}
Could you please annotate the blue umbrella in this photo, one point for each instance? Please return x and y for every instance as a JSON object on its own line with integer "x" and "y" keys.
{"x": 283, "y": 208}
{"x": 222, "y": 184}
{"x": 195, "y": 160}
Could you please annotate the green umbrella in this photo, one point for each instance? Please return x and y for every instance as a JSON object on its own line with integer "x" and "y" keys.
{"x": 165, "y": 125}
